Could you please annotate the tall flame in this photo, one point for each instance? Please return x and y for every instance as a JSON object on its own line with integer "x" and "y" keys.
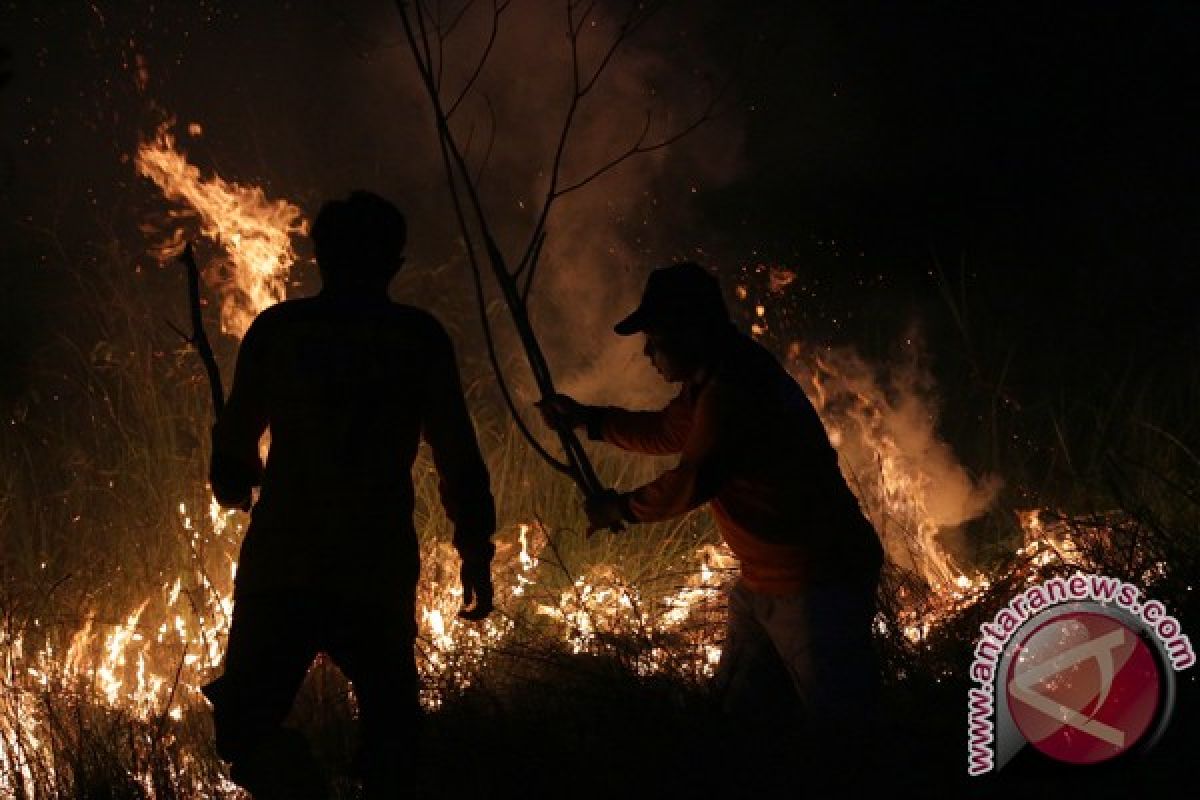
{"x": 255, "y": 232}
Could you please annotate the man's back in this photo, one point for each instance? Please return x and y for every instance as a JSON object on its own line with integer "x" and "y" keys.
{"x": 785, "y": 483}
{"x": 347, "y": 383}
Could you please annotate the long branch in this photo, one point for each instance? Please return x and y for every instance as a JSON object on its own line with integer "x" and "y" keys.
{"x": 457, "y": 169}
{"x": 497, "y": 9}
{"x": 580, "y": 468}
{"x": 579, "y": 90}
{"x": 488, "y": 338}
{"x": 639, "y": 147}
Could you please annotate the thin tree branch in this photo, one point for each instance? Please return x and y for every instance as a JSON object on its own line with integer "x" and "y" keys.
{"x": 464, "y": 183}
{"x": 435, "y": 76}
{"x": 487, "y": 154}
{"x": 632, "y": 22}
{"x": 532, "y": 266}
{"x": 581, "y": 467}
{"x": 450, "y": 158}
{"x": 579, "y": 91}
{"x": 497, "y": 10}
{"x": 489, "y": 338}
{"x": 639, "y": 147}
{"x": 445, "y": 32}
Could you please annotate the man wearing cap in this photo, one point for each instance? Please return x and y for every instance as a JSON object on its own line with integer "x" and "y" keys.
{"x": 752, "y": 447}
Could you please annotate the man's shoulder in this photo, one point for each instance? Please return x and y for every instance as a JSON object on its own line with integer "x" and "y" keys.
{"x": 750, "y": 373}
{"x": 743, "y": 362}
{"x": 284, "y": 310}
{"x": 273, "y": 317}
{"x": 414, "y": 315}
{"x": 422, "y": 322}
{"x": 301, "y": 308}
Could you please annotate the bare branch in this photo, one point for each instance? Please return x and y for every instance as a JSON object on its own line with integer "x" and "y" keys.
{"x": 464, "y": 184}
{"x": 532, "y": 267}
{"x": 487, "y": 154}
{"x": 457, "y": 159}
{"x": 583, "y": 18}
{"x": 447, "y": 31}
{"x": 628, "y": 26}
{"x": 632, "y": 22}
{"x": 639, "y": 147}
{"x": 453, "y": 163}
{"x": 434, "y": 78}
{"x": 489, "y": 338}
{"x": 199, "y": 338}
{"x": 497, "y": 9}
{"x": 573, "y": 38}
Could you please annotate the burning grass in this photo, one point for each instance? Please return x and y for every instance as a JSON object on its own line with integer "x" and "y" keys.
{"x": 117, "y": 568}
{"x": 117, "y": 571}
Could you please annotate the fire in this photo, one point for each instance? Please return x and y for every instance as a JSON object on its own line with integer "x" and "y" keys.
{"x": 254, "y": 232}
{"x": 151, "y": 662}
{"x": 679, "y": 632}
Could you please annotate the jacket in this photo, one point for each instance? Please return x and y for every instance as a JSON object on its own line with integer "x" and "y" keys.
{"x": 347, "y": 383}
{"x": 751, "y": 445}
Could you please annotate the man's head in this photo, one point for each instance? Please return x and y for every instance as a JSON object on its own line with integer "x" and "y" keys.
{"x": 684, "y": 318}
{"x": 359, "y": 241}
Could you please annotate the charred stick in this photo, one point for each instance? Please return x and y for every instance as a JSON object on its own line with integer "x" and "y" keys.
{"x": 198, "y": 338}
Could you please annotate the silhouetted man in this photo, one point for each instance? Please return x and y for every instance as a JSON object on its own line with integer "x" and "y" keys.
{"x": 347, "y": 382}
{"x": 752, "y": 447}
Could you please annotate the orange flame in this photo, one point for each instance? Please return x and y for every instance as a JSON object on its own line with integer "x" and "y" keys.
{"x": 255, "y": 232}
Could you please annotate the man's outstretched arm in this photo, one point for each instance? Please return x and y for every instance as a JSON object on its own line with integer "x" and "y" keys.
{"x": 711, "y": 444}
{"x": 236, "y": 467}
{"x": 656, "y": 433}
{"x": 463, "y": 481}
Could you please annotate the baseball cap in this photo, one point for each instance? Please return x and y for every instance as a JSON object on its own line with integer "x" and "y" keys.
{"x": 679, "y": 295}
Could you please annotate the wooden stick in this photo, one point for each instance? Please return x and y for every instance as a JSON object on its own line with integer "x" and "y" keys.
{"x": 198, "y": 338}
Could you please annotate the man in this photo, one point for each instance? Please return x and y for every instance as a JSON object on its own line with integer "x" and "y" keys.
{"x": 751, "y": 446}
{"x": 347, "y": 382}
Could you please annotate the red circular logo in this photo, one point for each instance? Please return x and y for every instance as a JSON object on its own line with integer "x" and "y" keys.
{"x": 1083, "y": 687}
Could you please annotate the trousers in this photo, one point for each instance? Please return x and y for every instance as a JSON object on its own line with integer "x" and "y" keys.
{"x": 809, "y": 652}
{"x": 273, "y": 640}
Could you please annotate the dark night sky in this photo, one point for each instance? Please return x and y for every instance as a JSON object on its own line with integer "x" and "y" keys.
{"x": 1048, "y": 149}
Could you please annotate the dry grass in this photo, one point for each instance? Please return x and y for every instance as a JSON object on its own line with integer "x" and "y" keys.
{"x": 111, "y": 439}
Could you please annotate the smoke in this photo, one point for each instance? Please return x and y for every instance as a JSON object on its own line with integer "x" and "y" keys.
{"x": 883, "y": 421}
{"x": 604, "y": 238}
{"x": 318, "y": 99}
{"x": 375, "y": 130}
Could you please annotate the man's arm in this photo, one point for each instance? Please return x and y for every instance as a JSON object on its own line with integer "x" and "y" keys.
{"x": 711, "y": 444}
{"x": 464, "y": 484}
{"x": 649, "y": 432}
{"x": 236, "y": 467}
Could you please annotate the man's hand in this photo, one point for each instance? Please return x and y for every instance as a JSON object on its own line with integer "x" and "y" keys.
{"x": 476, "y": 579}
{"x": 232, "y": 481}
{"x": 561, "y": 411}
{"x": 606, "y": 510}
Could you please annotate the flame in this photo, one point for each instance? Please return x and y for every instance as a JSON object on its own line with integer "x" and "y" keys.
{"x": 151, "y": 663}
{"x": 255, "y": 232}
{"x": 897, "y": 488}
